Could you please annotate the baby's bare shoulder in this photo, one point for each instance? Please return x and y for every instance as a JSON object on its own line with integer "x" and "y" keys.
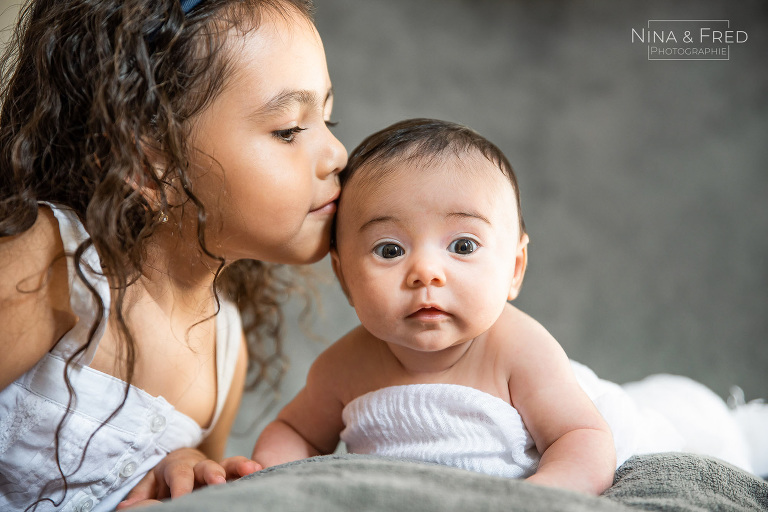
{"x": 352, "y": 364}
{"x": 356, "y": 344}
{"x": 517, "y": 330}
{"x": 521, "y": 343}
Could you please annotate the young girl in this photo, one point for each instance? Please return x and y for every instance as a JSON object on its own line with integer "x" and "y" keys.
{"x": 157, "y": 159}
{"x": 430, "y": 247}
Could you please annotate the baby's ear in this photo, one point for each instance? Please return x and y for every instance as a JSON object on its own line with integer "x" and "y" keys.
{"x": 339, "y": 274}
{"x": 521, "y": 262}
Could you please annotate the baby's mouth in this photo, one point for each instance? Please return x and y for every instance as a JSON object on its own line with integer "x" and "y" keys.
{"x": 428, "y": 314}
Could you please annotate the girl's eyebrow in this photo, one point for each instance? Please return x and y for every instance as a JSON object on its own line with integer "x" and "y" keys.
{"x": 285, "y": 100}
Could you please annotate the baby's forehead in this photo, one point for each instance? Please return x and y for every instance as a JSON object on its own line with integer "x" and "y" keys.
{"x": 412, "y": 190}
{"x": 449, "y": 166}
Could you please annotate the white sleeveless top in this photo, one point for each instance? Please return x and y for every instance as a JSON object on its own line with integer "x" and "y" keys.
{"x": 463, "y": 427}
{"x": 128, "y": 445}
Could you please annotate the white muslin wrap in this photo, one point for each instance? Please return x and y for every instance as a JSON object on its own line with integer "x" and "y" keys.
{"x": 470, "y": 429}
{"x": 443, "y": 423}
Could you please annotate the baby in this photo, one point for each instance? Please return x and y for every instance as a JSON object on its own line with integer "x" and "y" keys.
{"x": 430, "y": 247}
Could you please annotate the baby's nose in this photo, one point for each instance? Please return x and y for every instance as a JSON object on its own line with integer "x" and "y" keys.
{"x": 425, "y": 271}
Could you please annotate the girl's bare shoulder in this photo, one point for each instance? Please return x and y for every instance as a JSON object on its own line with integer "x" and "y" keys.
{"x": 33, "y": 247}
{"x": 34, "y": 294}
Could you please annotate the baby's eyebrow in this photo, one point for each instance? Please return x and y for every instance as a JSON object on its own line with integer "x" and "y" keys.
{"x": 376, "y": 220}
{"x": 285, "y": 100}
{"x": 389, "y": 218}
{"x": 469, "y": 214}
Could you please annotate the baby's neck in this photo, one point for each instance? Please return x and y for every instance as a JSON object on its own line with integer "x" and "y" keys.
{"x": 427, "y": 365}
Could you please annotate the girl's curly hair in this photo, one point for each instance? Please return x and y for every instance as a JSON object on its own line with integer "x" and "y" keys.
{"x": 91, "y": 90}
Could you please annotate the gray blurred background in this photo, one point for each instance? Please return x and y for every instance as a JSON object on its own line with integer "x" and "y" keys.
{"x": 643, "y": 183}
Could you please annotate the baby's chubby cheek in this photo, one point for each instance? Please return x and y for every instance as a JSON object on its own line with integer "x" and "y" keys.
{"x": 372, "y": 309}
{"x": 482, "y": 302}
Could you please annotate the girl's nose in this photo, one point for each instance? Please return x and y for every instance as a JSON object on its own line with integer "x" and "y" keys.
{"x": 335, "y": 157}
{"x": 425, "y": 271}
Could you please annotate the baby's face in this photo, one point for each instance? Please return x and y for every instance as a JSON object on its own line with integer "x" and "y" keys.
{"x": 429, "y": 255}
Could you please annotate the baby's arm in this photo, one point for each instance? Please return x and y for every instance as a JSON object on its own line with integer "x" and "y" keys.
{"x": 310, "y": 424}
{"x": 575, "y": 442}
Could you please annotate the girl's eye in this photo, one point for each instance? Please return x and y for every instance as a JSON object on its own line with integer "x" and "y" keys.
{"x": 463, "y": 246}
{"x": 331, "y": 124}
{"x": 289, "y": 134}
{"x": 388, "y": 250}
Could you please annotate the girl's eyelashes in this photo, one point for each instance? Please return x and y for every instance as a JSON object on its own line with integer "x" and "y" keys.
{"x": 463, "y": 246}
{"x": 288, "y": 135}
{"x": 388, "y": 250}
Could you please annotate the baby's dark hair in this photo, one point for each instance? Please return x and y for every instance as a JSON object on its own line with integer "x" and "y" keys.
{"x": 92, "y": 94}
{"x": 422, "y": 138}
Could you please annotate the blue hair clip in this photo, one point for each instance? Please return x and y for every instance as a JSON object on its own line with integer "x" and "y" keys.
{"x": 188, "y": 5}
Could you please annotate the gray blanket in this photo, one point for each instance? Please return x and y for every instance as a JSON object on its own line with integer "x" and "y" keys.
{"x": 673, "y": 482}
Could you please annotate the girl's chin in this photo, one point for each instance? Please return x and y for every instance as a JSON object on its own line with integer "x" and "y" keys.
{"x": 312, "y": 254}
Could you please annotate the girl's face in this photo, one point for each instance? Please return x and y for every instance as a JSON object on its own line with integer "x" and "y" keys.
{"x": 266, "y": 165}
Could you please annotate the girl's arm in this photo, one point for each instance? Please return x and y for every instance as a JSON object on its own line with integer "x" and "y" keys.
{"x": 211, "y": 472}
{"x": 215, "y": 444}
{"x": 575, "y": 442}
{"x": 34, "y": 296}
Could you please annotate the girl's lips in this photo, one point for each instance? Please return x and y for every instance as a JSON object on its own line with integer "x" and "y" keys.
{"x": 430, "y": 314}
{"x": 326, "y": 209}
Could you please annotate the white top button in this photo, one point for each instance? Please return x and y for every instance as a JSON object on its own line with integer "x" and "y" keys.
{"x": 158, "y": 423}
{"x": 128, "y": 469}
{"x": 85, "y": 506}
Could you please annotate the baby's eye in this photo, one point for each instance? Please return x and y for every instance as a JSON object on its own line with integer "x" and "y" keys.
{"x": 388, "y": 250}
{"x": 462, "y": 246}
{"x": 289, "y": 134}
